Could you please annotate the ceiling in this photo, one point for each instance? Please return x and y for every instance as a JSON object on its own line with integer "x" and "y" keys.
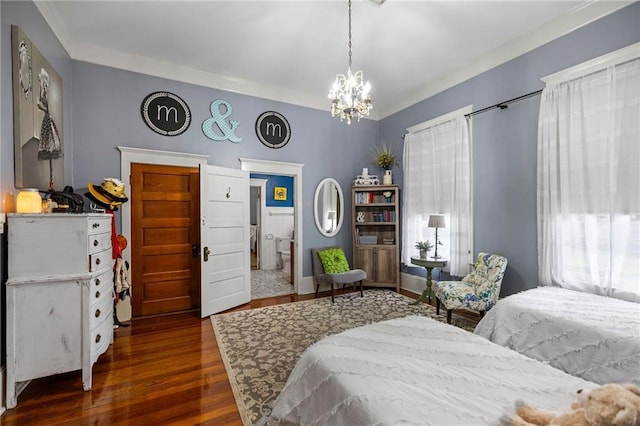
{"x": 291, "y": 50}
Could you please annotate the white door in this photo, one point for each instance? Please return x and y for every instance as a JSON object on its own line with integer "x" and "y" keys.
{"x": 224, "y": 235}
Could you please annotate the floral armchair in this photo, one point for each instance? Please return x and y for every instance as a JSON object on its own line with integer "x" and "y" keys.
{"x": 478, "y": 290}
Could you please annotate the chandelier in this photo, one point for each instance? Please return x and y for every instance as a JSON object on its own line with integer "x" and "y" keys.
{"x": 350, "y": 94}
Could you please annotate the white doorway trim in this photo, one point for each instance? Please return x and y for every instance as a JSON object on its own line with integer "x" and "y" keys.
{"x": 130, "y": 156}
{"x": 285, "y": 169}
{"x": 262, "y": 184}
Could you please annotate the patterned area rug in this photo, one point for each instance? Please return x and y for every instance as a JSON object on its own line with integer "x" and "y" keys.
{"x": 260, "y": 347}
{"x": 268, "y": 283}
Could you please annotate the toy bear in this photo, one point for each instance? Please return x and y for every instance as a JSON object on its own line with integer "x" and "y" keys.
{"x": 610, "y": 404}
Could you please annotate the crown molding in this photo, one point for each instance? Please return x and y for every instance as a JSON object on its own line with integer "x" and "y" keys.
{"x": 582, "y": 15}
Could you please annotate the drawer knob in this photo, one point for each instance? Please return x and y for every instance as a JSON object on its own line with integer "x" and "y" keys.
{"x": 97, "y": 281}
{"x": 97, "y": 294}
{"x": 95, "y": 243}
{"x": 97, "y": 261}
{"x": 98, "y": 338}
{"x": 97, "y": 313}
{"x": 96, "y": 225}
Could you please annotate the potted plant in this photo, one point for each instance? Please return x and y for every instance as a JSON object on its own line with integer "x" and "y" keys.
{"x": 424, "y": 247}
{"x": 384, "y": 157}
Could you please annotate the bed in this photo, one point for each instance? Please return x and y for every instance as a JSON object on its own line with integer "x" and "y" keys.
{"x": 586, "y": 335}
{"x": 415, "y": 370}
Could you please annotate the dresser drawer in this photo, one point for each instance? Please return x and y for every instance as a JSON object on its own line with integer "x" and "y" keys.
{"x": 100, "y": 286}
{"x": 99, "y": 225}
{"x": 99, "y": 242}
{"x": 101, "y": 309}
{"x": 101, "y": 260}
{"x": 101, "y": 338}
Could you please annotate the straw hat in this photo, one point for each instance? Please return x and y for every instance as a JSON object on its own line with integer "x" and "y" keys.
{"x": 100, "y": 199}
{"x": 113, "y": 189}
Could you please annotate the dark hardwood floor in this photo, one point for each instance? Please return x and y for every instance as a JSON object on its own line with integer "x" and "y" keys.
{"x": 164, "y": 370}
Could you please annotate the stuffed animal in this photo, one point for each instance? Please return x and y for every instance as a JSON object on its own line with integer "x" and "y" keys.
{"x": 610, "y": 404}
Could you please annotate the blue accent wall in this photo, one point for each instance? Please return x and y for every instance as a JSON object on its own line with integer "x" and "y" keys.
{"x": 505, "y": 141}
{"x": 272, "y": 182}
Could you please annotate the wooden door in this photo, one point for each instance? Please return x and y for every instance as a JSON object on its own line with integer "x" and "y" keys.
{"x": 165, "y": 267}
{"x": 224, "y": 228}
{"x": 363, "y": 258}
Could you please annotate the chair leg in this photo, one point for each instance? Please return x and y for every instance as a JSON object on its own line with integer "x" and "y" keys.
{"x": 317, "y": 288}
{"x": 437, "y": 306}
{"x": 333, "y": 293}
{"x": 361, "y": 293}
{"x": 449, "y": 311}
{"x": 481, "y": 314}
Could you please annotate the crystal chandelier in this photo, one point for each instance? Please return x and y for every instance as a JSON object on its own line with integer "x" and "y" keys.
{"x": 350, "y": 94}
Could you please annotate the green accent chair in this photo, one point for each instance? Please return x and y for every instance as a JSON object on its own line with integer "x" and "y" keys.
{"x": 352, "y": 276}
{"x": 478, "y": 291}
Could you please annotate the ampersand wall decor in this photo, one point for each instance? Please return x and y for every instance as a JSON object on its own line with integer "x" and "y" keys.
{"x": 217, "y": 121}
{"x": 166, "y": 113}
{"x": 273, "y": 129}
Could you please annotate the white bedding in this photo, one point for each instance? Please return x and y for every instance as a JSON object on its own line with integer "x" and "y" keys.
{"x": 589, "y": 336}
{"x": 415, "y": 370}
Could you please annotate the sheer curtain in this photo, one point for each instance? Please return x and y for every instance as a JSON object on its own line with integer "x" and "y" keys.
{"x": 589, "y": 183}
{"x": 437, "y": 173}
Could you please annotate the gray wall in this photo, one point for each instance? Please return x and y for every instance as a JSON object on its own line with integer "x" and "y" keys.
{"x": 106, "y": 106}
{"x": 102, "y": 111}
{"x": 504, "y": 141}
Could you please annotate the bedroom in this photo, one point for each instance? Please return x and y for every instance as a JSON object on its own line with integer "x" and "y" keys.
{"x": 101, "y": 94}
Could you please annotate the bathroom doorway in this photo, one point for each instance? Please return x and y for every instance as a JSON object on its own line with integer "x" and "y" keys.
{"x": 267, "y": 274}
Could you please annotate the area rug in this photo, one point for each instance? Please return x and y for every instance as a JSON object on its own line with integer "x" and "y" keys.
{"x": 269, "y": 283}
{"x": 260, "y": 347}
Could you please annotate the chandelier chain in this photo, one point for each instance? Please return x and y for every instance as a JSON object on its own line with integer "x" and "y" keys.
{"x": 349, "y": 33}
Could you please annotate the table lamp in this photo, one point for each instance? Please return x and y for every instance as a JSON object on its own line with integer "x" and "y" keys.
{"x": 436, "y": 221}
{"x": 331, "y": 215}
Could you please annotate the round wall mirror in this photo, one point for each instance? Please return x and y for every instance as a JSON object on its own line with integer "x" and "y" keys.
{"x": 328, "y": 207}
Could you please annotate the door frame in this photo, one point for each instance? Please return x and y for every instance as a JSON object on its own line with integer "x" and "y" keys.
{"x": 285, "y": 169}
{"x": 262, "y": 184}
{"x": 129, "y": 155}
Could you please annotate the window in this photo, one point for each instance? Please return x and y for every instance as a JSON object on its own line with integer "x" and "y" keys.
{"x": 437, "y": 180}
{"x": 588, "y": 180}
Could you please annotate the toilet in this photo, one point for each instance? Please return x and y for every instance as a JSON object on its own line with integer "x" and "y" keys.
{"x": 283, "y": 251}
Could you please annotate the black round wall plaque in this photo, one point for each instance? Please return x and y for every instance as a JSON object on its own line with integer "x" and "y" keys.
{"x": 166, "y": 113}
{"x": 273, "y": 129}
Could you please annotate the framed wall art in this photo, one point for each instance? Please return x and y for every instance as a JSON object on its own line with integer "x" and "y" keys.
{"x": 280, "y": 193}
{"x": 37, "y": 117}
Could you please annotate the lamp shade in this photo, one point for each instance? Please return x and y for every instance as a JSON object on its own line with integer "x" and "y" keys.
{"x": 436, "y": 221}
{"x": 331, "y": 215}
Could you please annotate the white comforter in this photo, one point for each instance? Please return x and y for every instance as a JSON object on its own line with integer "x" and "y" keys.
{"x": 412, "y": 371}
{"x": 589, "y": 336}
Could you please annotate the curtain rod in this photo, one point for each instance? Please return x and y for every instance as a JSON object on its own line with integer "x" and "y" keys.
{"x": 501, "y": 105}
{"x": 504, "y": 104}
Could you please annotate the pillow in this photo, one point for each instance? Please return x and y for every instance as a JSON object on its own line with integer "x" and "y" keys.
{"x": 333, "y": 261}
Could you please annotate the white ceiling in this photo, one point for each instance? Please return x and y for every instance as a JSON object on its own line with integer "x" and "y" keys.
{"x": 292, "y": 50}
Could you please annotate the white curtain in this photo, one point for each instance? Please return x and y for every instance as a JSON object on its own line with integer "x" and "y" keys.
{"x": 437, "y": 173}
{"x": 589, "y": 183}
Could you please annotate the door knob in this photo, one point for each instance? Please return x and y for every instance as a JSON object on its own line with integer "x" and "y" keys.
{"x": 206, "y": 253}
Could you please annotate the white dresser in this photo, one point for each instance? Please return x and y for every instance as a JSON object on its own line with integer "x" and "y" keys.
{"x": 59, "y": 296}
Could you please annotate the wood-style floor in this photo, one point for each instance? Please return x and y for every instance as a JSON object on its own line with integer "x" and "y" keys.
{"x": 165, "y": 370}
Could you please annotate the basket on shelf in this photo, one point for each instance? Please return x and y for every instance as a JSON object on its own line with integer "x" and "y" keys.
{"x": 368, "y": 239}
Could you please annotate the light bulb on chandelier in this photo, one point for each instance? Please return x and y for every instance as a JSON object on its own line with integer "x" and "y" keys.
{"x": 350, "y": 94}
